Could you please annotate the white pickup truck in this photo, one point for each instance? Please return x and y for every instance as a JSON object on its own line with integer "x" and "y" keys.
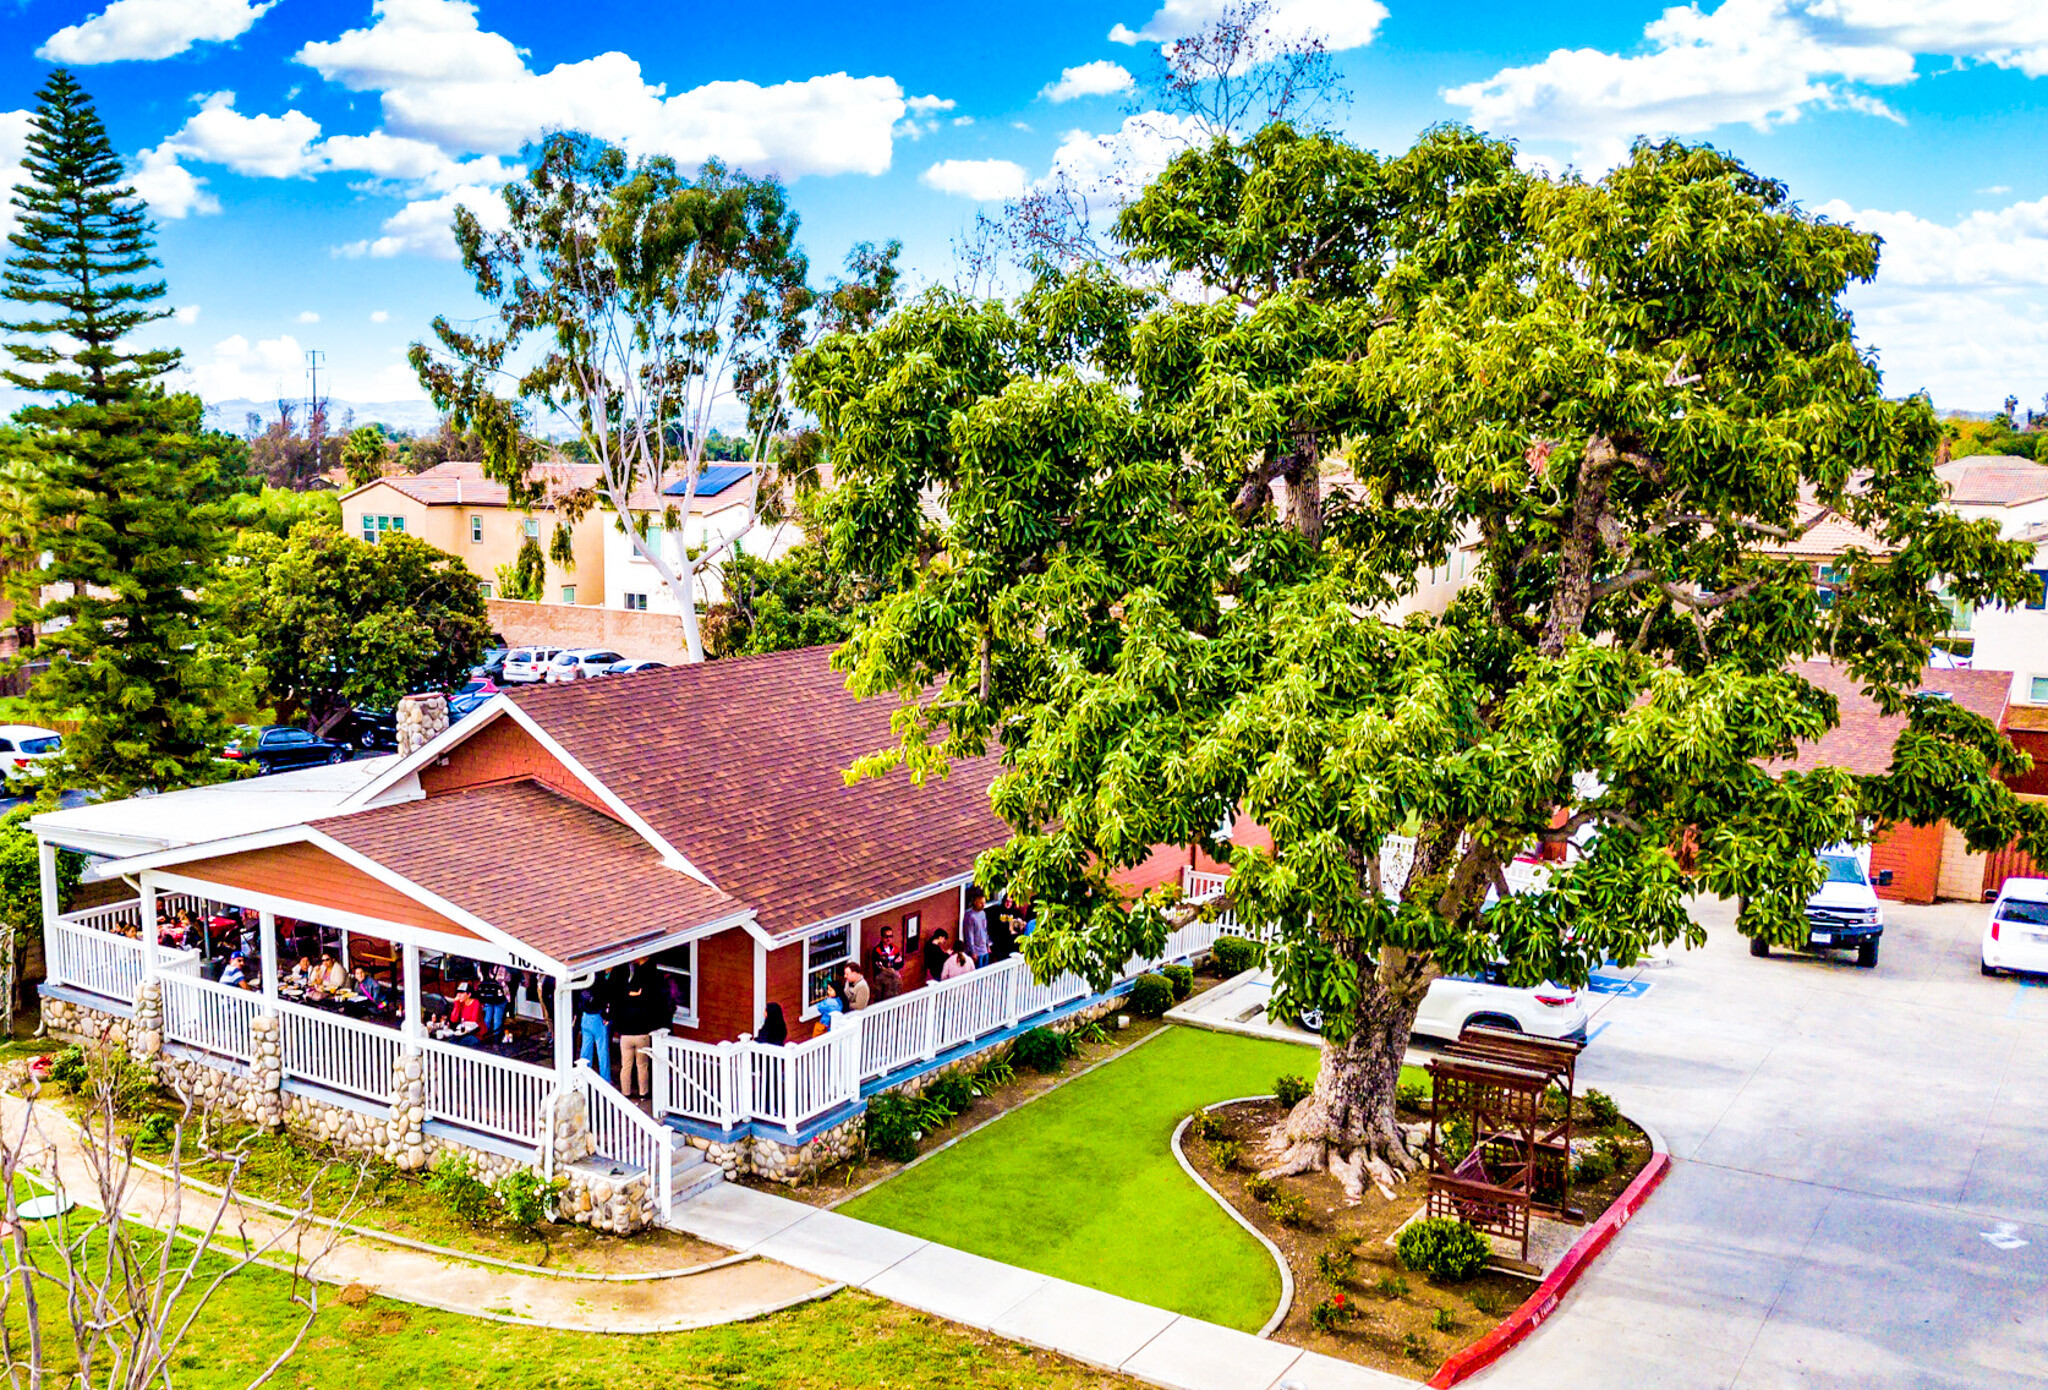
{"x": 1845, "y": 914}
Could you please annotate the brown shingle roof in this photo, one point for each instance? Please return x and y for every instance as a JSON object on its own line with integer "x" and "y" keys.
{"x": 1862, "y": 742}
{"x": 738, "y": 763}
{"x": 1994, "y": 480}
{"x": 557, "y": 875}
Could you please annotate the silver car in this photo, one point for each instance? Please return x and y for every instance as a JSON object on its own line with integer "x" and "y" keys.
{"x": 528, "y": 665}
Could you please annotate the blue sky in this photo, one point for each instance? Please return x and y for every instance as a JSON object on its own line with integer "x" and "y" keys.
{"x": 301, "y": 156}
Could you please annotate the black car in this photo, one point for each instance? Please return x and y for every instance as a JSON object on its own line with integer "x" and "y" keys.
{"x": 280, "y": 747}
{"x": 492, "y": 667}
{"x": 369, "y": 730}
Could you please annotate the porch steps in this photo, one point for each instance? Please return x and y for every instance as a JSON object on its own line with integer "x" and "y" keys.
{"x": 690, "y": 1174}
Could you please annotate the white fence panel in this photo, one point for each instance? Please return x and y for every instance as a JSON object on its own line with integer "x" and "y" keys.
{"x": 969, "y": 1006}
{"x": 214, "y": 1018}
{"x": 626, "y": 1136}
{"x": 691, "y": 1079}
{"x": 468, "y": 1086}
{"x": 338, "y": 1052}
{"x": 88, "y": 958}
{"x": 892, "y": 1033}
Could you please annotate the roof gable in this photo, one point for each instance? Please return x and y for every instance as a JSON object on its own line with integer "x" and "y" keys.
{"x": 1862, "y": 742}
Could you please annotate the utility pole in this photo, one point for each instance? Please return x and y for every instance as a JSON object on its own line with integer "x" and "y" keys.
{"x": 316, "y": 410}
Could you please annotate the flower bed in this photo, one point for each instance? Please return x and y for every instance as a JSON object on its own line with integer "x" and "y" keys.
{"x": 1353, "y": 1299}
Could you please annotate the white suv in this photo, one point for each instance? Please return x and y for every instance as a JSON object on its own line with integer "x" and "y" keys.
{"x": 581, "y": 663}
{"x": 525, "y": 665}
{"x": 2016, "y": 937}
{"x": 1455, "y": 1002}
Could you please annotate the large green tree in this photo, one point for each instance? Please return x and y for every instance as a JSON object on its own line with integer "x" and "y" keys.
{"x": 119, "y": 467}
{"x": 641, "y": 304}
{"x": 1179, "y": 528}
{"x": 332, "y": 621}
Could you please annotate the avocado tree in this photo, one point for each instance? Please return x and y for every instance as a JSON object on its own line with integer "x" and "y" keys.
{"x": 1180, "y": 533}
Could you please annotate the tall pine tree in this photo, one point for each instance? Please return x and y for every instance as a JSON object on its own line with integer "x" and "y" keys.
{"x": 118, "y": 465}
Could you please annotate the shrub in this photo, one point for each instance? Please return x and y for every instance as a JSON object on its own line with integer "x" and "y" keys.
{"x": 1182, "y": 978}
{"x": 1442, "y": 1321}
{"x": 1290, "y": 1090}
{"x": 1593, "y": 1166}
{"x": 155, "y": 1132}
{"x": 1337, "y": 1265}
{"x": 1416, "y": 1347}
{"x": 892, "y": 1129}
{"x": 994, "y": 1073}
{"x": 955, "y": 1094}
{"x": 1091, "y": 1032}
{"x": 1457, "y": 1137}
{"x": 1444, "y": 1248}
{"x": 1412, "y": 1095}
{"x": 1616, "y": 1152}
{"x": 68, "y": 1070}
{"x": 1226, "y": 1154}
{"x": 528, "y": 1198}
{"x": 1042, "y": 1050}
{"x": 1601, "y": 1111}
{"x": 467, "y": 1197}
{"x": 1260, "y": 1188}
{"x": 1288, "y": 1209}
{"x": 1332, "y": 1313}
{"x": 1233, "y": 955}
{"x": 1489, "y": 1303}
{"x": 1151, "y": 996}
{"x": 1391, "y": 1286}
{"x": 1201, "y": 1125}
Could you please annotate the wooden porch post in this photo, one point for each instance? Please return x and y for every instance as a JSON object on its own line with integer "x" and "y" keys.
{"x": 148, "y": 933}
{"x": 565, "y": 1027}
{"x": 412, "y": 989}
{"x": 266, "y": 944}
{"x": 46, "y": 872}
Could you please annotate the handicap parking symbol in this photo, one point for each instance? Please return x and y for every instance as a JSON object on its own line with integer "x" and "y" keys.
{"x": 1616, "y": 985}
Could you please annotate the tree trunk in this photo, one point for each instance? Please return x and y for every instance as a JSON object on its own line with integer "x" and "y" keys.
{"x": 1347, "y": 1123}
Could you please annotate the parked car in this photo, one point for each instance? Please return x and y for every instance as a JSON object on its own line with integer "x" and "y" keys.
{"x": 279, "y": 747}
{"x": 1455, "y": 1002}
{"x": 368, "y": 730}
{"x": 626, "y": 668}
{"x": 476, "y": 685}
{"x": 23, "y": 747}
{"x": 2016, "y": 936}
{"x": 460, "y": 707}
{"x": 581, "y": 663}
{"x": 1845, "y": 914}
{"x": 527, "y": 665}
{"x": 492, "y": 667}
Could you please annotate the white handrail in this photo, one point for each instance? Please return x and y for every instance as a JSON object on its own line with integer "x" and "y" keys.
{"x": 626, "y": 1135}
{"x": 214, "y": 1018}
{"x": 481, "y": 1090}
{"x": 100, "y": 962}
{"x": 341, "y": 1053}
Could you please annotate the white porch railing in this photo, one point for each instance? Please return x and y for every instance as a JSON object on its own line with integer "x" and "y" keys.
{"x": 214, "y": 1018}
{"x": 480, "y": 1090}
{"x": 625, "y": 1134}
{"x": 342, "y": 1054}
{"x": 85, "y": 956}
{"x": 698, "y": 1082}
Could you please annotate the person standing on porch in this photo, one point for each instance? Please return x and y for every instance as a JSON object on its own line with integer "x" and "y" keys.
{"x": 974, "y": 927}
{"x": 643, "y": 1007}
{"x": 774, "y": 1028}
{"x": 854, "y": 988}
{"x": 885, "y": 965}
{"x": 594, "y": 1030}
{"x": 936, "y": 949}
{"x": 957, "y": 964}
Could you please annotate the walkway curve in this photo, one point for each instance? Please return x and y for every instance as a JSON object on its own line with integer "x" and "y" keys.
{"x": 721, "y": 1293}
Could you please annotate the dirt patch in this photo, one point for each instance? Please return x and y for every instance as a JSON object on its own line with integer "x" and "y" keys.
{"x": 1406, "y": 1324}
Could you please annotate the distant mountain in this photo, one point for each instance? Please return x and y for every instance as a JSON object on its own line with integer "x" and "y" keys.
{"x": 413, "y": 417}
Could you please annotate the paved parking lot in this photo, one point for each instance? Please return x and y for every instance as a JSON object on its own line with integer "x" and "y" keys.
{"x": 1859, "y": 1196}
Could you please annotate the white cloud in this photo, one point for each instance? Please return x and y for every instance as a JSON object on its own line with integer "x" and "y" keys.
{"x": 14, "y": 129}
{"x": 170, "y": 189}
{"x": 1981, "y": 250}
{"x": 923, "y": 115}
{"x": 380, "y": 315}
{"x": 963, "y": 120}
{"x": 983, "y": 180}
{"x": 152, "y": 29}
{"x": 1760, "y": 62}
{"x": 308, "y": 316}
{"x": 271, "y": 147}
{"x": 236, "y": 369}
{"x": 1341, "y": 24}
{"x": 1996, "y": 189}
{"x": 424, "y": 227}
{"x": 187, "y": 313}
{"x": 443, "y": 79}
{"x": 1100, "y": 78}
{"x": 1108, "y": 166}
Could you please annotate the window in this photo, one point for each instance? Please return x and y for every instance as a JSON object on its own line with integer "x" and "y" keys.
{"x": 824, "y": 953}
{"x": 486, "y": 589}
{"x": 533, "y": 527}
{"x": 678, "y": 967}
{"x": 637, "y": 602}
{"x": 2037, "y": 690}
{"x": 476, "y": 529}
{"x": 2039, "y": 598}
{"x": 568, "y": 593}
{"x": 374, "y": 527}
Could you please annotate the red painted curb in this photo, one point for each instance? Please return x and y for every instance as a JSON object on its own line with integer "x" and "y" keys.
{"x": 1542, "y": 1303}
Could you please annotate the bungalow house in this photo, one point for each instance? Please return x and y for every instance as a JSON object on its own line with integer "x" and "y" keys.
{"x": 694, "y": 817}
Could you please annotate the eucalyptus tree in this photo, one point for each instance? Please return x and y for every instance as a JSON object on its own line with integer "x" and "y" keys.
{"x": 639, "y": 304}
{"x": 1175, "y": 534}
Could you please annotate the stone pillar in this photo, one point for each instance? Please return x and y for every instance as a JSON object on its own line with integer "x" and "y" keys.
{"x": 420, "y": 719}
{"x": 573, "y": 1140}
{"x": 146, "y": 1025}
{"x": 405, "y": 1140}
{"x": 264, "y": 1107}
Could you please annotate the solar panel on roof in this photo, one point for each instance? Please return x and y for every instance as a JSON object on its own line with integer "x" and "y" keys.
{"x": 711, "y": 481}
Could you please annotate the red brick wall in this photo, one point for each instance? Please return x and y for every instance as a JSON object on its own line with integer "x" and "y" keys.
{"x": 941, "y": 909}
{"x": 1165, "y": 863}
{"x": 502, "y": 751}
{"x": 725, "y": 988}
{"x": 786, "y": 987}
{"x": 1913, "y": 854}
{"x": 2034, "y": 743}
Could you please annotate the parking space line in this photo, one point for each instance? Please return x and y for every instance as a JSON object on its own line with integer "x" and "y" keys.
{"x": 2019, "y": 996}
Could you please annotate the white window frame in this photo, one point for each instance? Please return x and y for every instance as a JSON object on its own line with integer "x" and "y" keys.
{"x": 848, "y": 925}
{"x": 636, "y": 603}
{"x": 476, "y": 528}
{"x": 2034, "y": 695}
{"x": 687, "y": 1017}
{"x": 532, "y": 527}
{"x": 568, "y": 593}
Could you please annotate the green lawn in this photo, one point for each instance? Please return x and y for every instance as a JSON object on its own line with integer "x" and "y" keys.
{"x": 1082, "y": 1183}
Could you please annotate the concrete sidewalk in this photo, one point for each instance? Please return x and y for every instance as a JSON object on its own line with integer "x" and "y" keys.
{"x": 1100, "y": 1329}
